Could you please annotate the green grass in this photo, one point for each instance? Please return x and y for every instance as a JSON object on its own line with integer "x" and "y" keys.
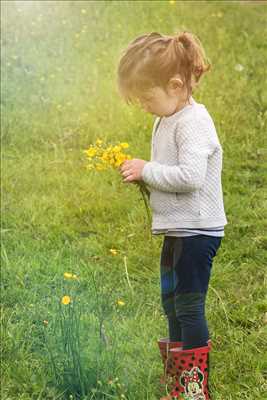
{"x": 58, "y": 95}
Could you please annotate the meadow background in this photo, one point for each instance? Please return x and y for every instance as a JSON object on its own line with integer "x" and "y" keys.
{"x": 59, "y": 95}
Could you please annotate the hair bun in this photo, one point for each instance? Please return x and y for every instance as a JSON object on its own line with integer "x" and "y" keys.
{"x": 184, "y": 38}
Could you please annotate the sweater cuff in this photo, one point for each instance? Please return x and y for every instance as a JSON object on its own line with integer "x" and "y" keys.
{"x": 146, "y": 172}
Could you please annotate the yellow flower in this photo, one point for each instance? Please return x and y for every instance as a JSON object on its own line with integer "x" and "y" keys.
{"x": 120, "y": 158}
{"x": 114, "y": 252}
{"x": 99, "y": 142}
{"x": 91, "y": 152}
{"x": 105, "y": 156}
{"x": 65, "y": 300}
{"x": 116, "y": 149}
{"x": 124, "y": 145}
{"x": 120, "y": 303}
{"x": 67, "y": 275}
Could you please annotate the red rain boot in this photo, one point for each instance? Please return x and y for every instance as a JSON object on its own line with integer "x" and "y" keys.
{"x": 164, "y": 346}
{"x": 191, "y": 367}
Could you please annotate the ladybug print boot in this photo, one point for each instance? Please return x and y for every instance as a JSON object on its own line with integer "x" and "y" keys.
{"x": 164, "y": 346}
{"x": 191, "y": 370}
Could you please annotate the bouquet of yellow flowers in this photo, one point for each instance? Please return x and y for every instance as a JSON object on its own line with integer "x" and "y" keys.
{"x": 102, "y": 156}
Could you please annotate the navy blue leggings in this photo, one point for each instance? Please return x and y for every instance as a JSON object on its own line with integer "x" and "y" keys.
{"x": 185, "y": 268}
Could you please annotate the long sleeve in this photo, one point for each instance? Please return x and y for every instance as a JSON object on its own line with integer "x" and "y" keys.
{"x": 194, "y": 145}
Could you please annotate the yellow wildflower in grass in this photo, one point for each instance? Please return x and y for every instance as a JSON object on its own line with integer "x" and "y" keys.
{"x": 65, "y": 300}
{"x": 68, "y": 275}
{"x": 120, "y": 303}
{"x": 114, "y": 252}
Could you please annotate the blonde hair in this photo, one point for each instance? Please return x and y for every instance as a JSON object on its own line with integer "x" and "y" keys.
{"x": 153, "y": 59}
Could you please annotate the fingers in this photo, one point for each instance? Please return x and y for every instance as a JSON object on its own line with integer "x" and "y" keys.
{"x": 126, "y": 173}
{"x": 124, "y": 165}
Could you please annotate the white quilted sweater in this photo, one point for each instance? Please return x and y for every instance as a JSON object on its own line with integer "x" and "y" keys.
{"x": 184, "y": 174}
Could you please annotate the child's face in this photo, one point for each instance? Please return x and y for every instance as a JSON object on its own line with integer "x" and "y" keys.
{"x": 162, "y": 102}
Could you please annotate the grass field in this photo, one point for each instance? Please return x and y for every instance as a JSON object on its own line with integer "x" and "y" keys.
{"x": 59, "y": 95}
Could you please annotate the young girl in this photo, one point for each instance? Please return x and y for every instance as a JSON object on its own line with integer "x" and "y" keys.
{"x": 183, "y": 176}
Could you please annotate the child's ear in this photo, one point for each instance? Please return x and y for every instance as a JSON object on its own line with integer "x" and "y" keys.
{"x": 176, "y": 83}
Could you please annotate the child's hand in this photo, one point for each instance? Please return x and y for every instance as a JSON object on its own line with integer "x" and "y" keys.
{"x": 131, "y": 170}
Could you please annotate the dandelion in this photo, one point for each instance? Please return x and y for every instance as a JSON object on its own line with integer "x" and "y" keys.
{"x": 65, "y": 300}
{"x": 120, "y": 303}
{"x": 113, "y": 251}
